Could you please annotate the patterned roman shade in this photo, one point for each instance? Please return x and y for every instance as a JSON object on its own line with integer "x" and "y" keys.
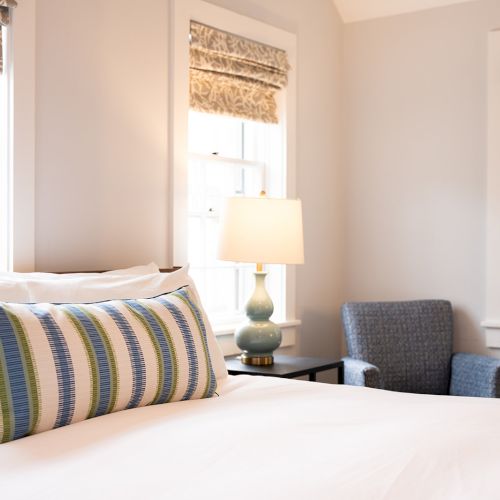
{"x": 5, "y": 6}
{"x": 235, "y": 76}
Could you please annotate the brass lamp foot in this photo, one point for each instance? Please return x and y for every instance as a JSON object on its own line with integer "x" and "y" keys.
{"x": 256, "y": 360}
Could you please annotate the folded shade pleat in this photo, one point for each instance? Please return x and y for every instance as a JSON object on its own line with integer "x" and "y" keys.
{"x": 235, "y": 76}
{"x": 5, "y": 6}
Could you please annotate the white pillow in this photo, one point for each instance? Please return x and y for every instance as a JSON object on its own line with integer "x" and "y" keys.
{"x": 98, "y": 288}
{"x": 150, "y": 268}
{"x": 90, "y": 288}
{"x": 135, "y": 270}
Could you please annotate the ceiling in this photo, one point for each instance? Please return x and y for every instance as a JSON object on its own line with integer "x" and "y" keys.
{"x": 360, "y": 10}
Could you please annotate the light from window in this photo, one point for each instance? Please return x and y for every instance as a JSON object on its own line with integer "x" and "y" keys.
{"x": 229, "y": 157}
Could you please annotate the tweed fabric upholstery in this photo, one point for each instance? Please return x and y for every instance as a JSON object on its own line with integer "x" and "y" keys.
{"x": 357, "y": 372}
{"x": 410, "y": 342}
{"x": 475, "y": 375}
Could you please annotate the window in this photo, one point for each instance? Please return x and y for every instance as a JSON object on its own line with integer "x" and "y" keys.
{"x": 249, "y": 156}
{"x": 17, "y": 138}
{"x": 229, "y": 157}
{"x": 5, "y": 158}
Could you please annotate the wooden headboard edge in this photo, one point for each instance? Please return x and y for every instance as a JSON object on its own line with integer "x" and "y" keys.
{"x": 162, "y": 270}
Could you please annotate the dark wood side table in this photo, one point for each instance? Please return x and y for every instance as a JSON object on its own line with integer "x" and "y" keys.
{"x": 287, "y": 367}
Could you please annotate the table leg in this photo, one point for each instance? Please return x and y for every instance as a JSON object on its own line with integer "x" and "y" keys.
{"x": 340, "y": 374}
{"x": 312, "y": 377}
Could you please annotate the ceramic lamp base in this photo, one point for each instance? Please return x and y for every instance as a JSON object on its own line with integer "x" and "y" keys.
{"x": 258, "y": 337}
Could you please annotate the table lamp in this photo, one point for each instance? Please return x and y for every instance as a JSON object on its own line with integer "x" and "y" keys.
{"x": 262, "y": 231}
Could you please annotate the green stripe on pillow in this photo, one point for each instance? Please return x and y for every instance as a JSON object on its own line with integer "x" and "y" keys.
{"x": 29, "y": 368}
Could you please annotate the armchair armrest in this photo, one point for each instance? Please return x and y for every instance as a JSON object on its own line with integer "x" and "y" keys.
{"x": 475, "y": 375}
{"x": 358, "y": 372}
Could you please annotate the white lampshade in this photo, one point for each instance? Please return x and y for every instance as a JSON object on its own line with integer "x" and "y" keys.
{"x": 262, "y": 230}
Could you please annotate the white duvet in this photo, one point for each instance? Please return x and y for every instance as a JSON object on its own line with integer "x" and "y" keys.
{"x": 268, "y": 438}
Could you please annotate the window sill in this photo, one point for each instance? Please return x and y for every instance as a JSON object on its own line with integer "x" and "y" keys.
{"x": 225, "y": 335}
{"x": 492, "y": 331}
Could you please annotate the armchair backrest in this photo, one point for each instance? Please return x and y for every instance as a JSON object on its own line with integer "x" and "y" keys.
{"x": 410, "y": 342}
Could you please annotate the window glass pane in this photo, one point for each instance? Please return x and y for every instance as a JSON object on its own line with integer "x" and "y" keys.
{"x": 220, "y": 305}
{"x": 212, "y": 233}
{"x": 264, "y": 142}
{"x": 246, "y": 285}
{"x": 196, "y": 243}
{"x": 214, "y": 134}
{"x": 196, "y": 190}
{"x": 222, "y": 180}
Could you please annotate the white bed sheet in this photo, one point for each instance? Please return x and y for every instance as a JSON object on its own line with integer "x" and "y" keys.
{"x": 268, "y": 437}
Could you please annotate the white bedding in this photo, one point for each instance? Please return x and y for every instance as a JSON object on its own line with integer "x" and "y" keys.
{"x": 268, "y": 437}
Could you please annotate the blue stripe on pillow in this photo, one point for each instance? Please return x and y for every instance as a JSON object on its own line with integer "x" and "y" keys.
{"x": 166, "y": 353}
{"x": 103, "y": 361}
{"x": 135, "y": 353}
{"x": 187, "y": 334}
{"x": 64, "y": 367}
{"x": 196, "y": 311}
{"x": 17, "y": 379}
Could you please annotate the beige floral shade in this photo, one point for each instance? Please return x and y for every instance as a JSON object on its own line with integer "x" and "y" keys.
{"x": 235, "y": 76}
{"x": 4, "y": 11}
{"x": 4, "y": 21}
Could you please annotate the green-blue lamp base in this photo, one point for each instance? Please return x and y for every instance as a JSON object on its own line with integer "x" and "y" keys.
{"x": 258, "y": 337}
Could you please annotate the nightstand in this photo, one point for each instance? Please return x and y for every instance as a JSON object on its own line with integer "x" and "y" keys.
{"x": 287, "y": 367}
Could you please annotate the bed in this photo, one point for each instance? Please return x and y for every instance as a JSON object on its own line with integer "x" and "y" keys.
{"x": 262, "y": 436}
{"x": 270, "y": 437}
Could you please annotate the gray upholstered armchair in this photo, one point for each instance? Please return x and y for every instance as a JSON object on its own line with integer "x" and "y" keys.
{"x": 408, "y": 347}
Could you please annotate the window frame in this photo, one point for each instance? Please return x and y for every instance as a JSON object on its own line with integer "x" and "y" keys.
{"x": 244, "y": 280}
{"x": 6, "y": 153}
{"x": 181, "y": 13}
{"x": 21, "y": 74}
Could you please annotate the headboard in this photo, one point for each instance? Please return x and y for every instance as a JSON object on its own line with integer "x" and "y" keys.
{"x": 162, "y": 270}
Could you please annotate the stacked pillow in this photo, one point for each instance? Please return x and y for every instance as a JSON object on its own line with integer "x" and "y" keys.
{"x": 83, "y": 346}
{"x": 135, "y": 270}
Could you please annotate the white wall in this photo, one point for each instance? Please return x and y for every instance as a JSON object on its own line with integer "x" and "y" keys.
{"x": 101, "y": 158}
{"x": 415, "y": 159}
{"x": 23, "y": 145}
{"x": 412, "y": 189}
{"x": 101, "y": 133}
{"x": 406, "y": 219}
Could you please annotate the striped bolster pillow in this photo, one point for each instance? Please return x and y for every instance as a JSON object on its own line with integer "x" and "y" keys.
{"x": 63, "y": 363}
